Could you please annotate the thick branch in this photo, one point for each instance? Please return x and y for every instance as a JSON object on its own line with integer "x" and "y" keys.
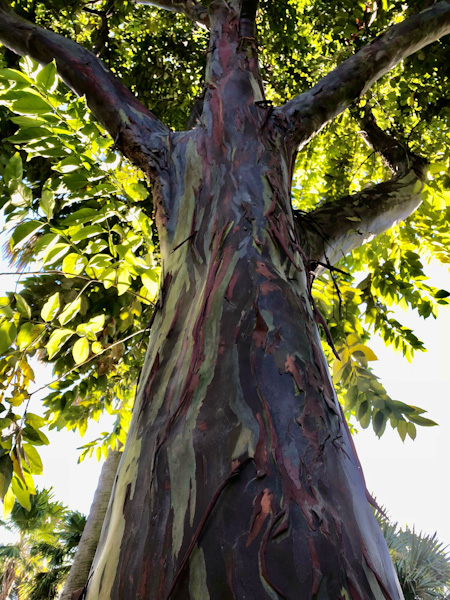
{"x": 335, "y": 229}
{"x": 306, "y": 114}
{"x": 137, "y": 132}
{"x": 247, "y": 18}
{"x": 192, "y": 9}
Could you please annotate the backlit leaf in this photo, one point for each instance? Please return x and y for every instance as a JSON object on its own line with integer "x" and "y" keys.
{"x": 57, "y": 340}
{"x": 80, "y": 350}
{"x": 51, "y": 307}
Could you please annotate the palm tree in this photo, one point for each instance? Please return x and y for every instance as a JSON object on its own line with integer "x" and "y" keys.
{"x": 35, "y": 567}
{"x": 421, "y": 561}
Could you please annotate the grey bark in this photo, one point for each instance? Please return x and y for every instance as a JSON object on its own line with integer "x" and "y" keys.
{"x": 336, "y": 228}
{"x": 81, "y": 565}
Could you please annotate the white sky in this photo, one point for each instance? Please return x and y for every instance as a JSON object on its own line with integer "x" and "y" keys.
{"x": 411, "y": 479}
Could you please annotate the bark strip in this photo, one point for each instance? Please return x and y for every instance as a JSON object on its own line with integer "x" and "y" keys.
{"x": 306, "y": 114}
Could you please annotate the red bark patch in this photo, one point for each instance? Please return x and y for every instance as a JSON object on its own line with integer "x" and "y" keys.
{"x": 230, "y": 288}
{"x": 260, "y": 331}
{"x": 263, "y": 270}
{"x": 267, "y": 287}
{"x": 292, "y": 369}
{"x": 263, "y": 505}
{"x": 315, "y": 565}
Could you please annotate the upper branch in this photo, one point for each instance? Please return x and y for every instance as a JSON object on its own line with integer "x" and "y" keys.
{"x": 333, "y": 230}
{"x": 306, "y": 114}
{"x": 137, "y": 132}
{"x": 191, "y": 8}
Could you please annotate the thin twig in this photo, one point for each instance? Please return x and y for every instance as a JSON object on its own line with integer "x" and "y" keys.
{"x": 86, "y": 361}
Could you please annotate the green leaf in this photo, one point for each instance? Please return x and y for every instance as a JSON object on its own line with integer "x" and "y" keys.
{"x": 22, "y": 306}
{"x": 6, "y": 472}
{"x": 33, "y": 459}
{"x": 402, "y": 428}
{"x": 35, "y": 420}
{"x": 8, "y": 502}
{"x": 97, "y": 264}
{"x": 7, "y": 335}
{"x": 411, "y": 430}
{"x": 74, "y": 264}
{"x": 419, "y": 420}
{"x": 31, "y": 434}
{"x": 442, "y": 294}
{"x": 55, "y": 253}
{"x": 92, "y": 327}
{"x": 21, "y": 493}
{"x": 70, "y": 311}
{"x": 31, "y": 104}
{"x": 88, "y": 232}
{"x": 83, "y": 215}
{"x": 13, "y": 75}
{"x": 51, "y": 307}
{"x": 123, "y": 281}
{"x": 69, "y": 164}
{"x": 379, "y": 423}
{"x": 46, "y": 78}
{"x": 80, "y": 350}
{"x": 13, "y": 173}
{"x": 23, "y": 233}
{"x": 57, "y": 340}
{"x": 22, "y": 196}
{"x": 136, "y": 191}
{"x": 29, "y": 335}
{"x": 47, "y": 203}
{"x": 5, "y": 307}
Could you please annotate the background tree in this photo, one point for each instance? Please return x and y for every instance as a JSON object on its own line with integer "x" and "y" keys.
{"x": 35, "y": 567}
{"x": 234, "y": 353}
{"x": 421, "y": 561}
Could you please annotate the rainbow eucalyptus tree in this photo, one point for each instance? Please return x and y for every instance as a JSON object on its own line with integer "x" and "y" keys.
{"x": 239, "y": 478}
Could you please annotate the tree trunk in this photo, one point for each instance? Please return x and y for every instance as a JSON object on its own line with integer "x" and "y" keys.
{"x": 82, "y": 562}
{"x": 239, "y": 479}
{"x": 8, "y": 579}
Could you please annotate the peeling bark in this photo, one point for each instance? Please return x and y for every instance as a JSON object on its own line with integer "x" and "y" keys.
{"x": 239, "y": 479}
{"x": 79, "y": 571}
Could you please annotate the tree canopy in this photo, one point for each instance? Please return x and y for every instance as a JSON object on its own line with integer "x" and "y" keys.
{"x": 79, "y": 216}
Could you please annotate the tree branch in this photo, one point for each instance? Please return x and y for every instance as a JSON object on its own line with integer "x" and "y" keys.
{"x": 247, "y": 18}
{"x": 190, "y": 8}
{"x": 333, "y": 230}
{"x": 306, "y": 114}
{"x": 137, "y": 132}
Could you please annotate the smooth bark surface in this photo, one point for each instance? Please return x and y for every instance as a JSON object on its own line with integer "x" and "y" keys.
{"x": 192, "y": 9}
{"x": 333, "y": 230}
{"x": 82, "y": 562}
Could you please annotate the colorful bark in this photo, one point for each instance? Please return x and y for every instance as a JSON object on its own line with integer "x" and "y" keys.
{"x": 238, "y": 479}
